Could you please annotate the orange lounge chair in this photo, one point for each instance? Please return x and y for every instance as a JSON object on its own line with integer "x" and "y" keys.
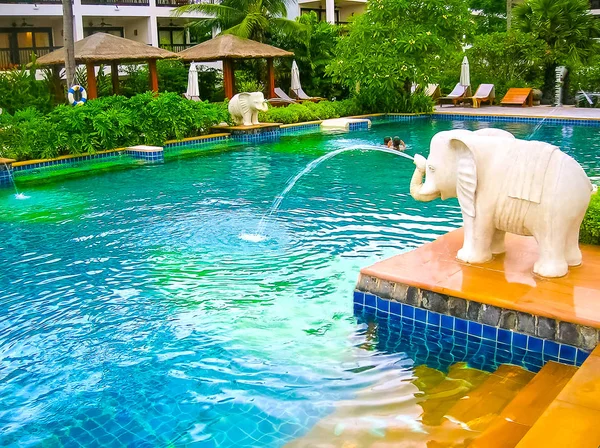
{"x": 485, "y": 93}
{"x": 458, "y": 95}
{"x": 518, "y": 97}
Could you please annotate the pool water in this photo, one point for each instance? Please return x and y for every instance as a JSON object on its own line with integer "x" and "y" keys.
{"x": 133, "y": 314}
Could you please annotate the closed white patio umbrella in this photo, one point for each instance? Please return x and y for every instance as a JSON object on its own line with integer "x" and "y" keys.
{"x": 295, "y": 78}
{"x": 193, "y": 90}
{"x": 465, "y": 75}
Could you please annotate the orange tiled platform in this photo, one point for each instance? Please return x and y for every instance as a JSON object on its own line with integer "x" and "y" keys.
{"x": 506, "y": 282}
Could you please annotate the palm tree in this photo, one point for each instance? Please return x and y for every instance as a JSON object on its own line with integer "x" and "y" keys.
{"x": 251, "y": 19}
{"x": 566, "y": 25}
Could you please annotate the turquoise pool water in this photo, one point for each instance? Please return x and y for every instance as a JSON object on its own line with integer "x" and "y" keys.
{"x": 132, "y": 314}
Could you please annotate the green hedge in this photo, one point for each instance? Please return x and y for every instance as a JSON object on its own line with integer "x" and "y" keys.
{"x": 590, "y": 228}
{"x": 307, "y": 111}
{"x": 106, "y": 123}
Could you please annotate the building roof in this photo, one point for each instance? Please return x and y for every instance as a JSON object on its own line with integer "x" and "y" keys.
{"x": 228, "y": 46}
{"x": 102, "y": 47}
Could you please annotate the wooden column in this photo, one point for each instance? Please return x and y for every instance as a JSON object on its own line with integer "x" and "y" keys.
{"x": 271, "y": 72}
{"x": 92, "y": 90}
{"x": 228, "y": 78}
{"x": 153, "y": 75}
{"x": 114, "y": 74}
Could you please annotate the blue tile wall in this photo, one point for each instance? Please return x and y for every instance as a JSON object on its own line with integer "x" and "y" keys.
{"x": 64, "y": 163}
{"x": 149, "y": 157}
{"x": 5, "y": 176}
{"x": 195, "y": 142}
{"x": 301, "y": 129}
{"x": 272, "y": 135}
{"x": 358, "y": 126}
{"x": 504, "y": 346}
{"x": 398, "y": 117}
{"x": 512, "y": 119}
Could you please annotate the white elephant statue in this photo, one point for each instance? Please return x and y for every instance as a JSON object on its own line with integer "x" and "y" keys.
{"x": 508, "y": 185}
{"x": 244, "y": 107}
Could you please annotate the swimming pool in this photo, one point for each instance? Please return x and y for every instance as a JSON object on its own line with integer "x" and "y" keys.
{"x": 132, "y": 312}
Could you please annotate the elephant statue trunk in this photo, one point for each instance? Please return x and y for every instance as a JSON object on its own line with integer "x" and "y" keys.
{"x": 418, "y": 190}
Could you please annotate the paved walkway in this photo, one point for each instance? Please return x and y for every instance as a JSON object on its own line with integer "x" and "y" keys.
{"x": 535, "y": 111}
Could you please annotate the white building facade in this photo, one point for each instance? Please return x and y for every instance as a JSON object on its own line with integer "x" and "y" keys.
{"x": 28, "y": 27}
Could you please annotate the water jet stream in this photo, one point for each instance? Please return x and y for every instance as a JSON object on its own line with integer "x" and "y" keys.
{"x": 259, "y": 234}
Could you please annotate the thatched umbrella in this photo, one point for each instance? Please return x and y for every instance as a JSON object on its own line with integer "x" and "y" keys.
{"x": 100, "y": 48}
{"x": 227, "y": 48}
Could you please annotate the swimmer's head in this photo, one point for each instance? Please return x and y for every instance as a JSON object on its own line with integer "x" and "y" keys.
{"x": 397, "y": 142}
{"x": 386, "y": 140}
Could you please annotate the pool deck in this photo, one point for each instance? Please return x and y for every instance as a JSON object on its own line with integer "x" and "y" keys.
{"x": 506, "y": 282}
{"x": 562, "y": 112}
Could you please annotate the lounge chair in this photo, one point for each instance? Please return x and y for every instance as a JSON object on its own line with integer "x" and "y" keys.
{"x": 518, "y": 97}
{"x": 413, "y": 88}
{"x": 458, "y": 95}
{"x": 282, "y": 99}
{"x": 433, "y": 90}
{"x": 485, "y": 93}
{"x": 302, "y": 96}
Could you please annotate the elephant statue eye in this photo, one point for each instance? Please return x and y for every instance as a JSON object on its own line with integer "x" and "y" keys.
{"x": 431, "y": 169}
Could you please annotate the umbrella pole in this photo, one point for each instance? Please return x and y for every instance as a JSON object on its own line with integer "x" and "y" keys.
{"x": 92, "y": 90}
{"x": 153, "y": 75}
{"x": 114, "y": 74}
{"x": 271, "y": 72}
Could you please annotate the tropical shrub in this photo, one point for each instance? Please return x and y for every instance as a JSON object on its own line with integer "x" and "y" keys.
{"x": 490, "y": 16}
{"x": 106, "y": 123}
{"x": 19, "y": 89}
{"x": 395, "y": 43}
{"x": 295, "y": 113}
{"x": 590, "y": 228}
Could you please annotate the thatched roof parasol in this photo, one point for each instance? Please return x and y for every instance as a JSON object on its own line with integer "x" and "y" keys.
{"x": 102, "y": 47}
{"x": 228, "y": 46}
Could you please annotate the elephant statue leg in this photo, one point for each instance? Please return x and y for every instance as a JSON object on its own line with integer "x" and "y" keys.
{"x": 498, "y": 242}
{"x": 552, "y": 262}
{"x": 572, "y": 252}
{"x": 478, "y": 241}
{"x": 255, "y": 117}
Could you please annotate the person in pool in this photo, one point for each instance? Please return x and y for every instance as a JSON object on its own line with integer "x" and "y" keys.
{"x": 387, "y": 142}
{"x": 398, "y": 144}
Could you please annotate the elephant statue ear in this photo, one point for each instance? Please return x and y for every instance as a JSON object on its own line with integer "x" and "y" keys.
{"x": 466, "y": 175}
{"x": 245, "y": 99}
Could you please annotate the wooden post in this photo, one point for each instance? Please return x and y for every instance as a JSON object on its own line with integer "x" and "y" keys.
{"x": 114, "y": 74}
{"x": 153, "y": 75}
{"x": 271, "y": 72}
{"x": 92, "y": 90}
{"x": 228, "y": 78}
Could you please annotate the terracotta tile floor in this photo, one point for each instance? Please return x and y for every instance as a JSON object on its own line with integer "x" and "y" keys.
{"x": 507, "y": 281}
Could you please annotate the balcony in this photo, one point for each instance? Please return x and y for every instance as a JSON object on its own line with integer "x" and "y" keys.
{"x": 595, "y": 4}
{"x": 176, "y": 48}
{"x": 176, "y": 3}
{"x": 115, "y": 2}
{"x": 13, "y": 57}
{"x": 32, "y": 2}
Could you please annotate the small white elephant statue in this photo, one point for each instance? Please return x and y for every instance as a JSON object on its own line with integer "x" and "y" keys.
{"x": 244, "y": 107}
{"x": 508, "y": 185}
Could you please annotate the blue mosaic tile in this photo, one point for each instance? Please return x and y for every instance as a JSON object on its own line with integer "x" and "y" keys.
{"x": 513, "y": 119}
{"x": 479, "y": 344}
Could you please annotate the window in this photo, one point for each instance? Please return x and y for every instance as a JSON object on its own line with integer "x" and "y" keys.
{"x": 114, "y": 30}
{"x": 17, "y": 45}
{"x": 172, "y": 38}
{"x": 322, "y": 13}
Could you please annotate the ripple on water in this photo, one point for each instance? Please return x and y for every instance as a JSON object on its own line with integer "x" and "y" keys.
{"x": 136, "y": 309}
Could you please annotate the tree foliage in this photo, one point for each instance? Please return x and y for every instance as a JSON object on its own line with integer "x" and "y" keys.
{"x": 508, "y": 59}
{"x": 313, "y": 49}
{"x": 395, "y": 43}
{"x": 566, "y": 26}
{"x": 251, "y": 19}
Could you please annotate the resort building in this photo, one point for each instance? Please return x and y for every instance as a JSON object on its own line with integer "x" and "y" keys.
{"x": 28, "y": 27}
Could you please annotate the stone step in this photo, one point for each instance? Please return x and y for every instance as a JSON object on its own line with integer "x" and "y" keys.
{"x": 522, "y": 412}
{"x": 476, "y": 410}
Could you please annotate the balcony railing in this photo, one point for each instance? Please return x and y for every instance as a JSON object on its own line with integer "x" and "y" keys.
{"x": 175, "y": 3}
{"x": 176, "y": 48}
{"x": 33, "y": 2}
{"x": 115, "y": 2}
{"x": 595, "y": 4}
{"x": 14, "y": 57}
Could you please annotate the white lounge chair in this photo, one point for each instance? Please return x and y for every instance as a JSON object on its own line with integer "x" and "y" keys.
{"x": 484, "y": 93}
{"x": 457, "y": 95}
